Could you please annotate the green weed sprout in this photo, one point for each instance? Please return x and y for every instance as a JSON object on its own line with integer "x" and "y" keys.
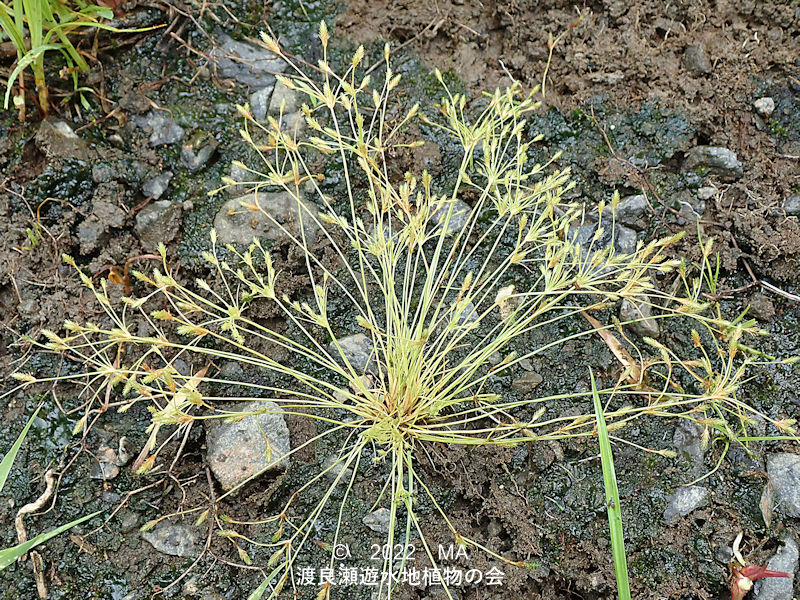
{"x": 441, "y": 291}
{"x": 36, "y": 27}
{"x": 13, "y": 553}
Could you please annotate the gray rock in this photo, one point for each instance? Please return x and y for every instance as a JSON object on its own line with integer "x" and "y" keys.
{"x": 91, "y": 233}
{"x": 247, "y": 63}
{"x": 156, "y": 186}
{"x": 624, "y": 238}
{"x": 198, "y": 151}
{"x": 359, "y": 352}
{"x": 241, "y": 449}
{"x": 527, "y": 382}
{"x": 336, "y": 468}
{"x": 684, "y": 501}
{"x": 157, "y": 222}
{"x": 764, "y": 106}
{"x": 762, "y": 307}
{"x": 378, "y": 520}
{"x": 721, "y": 161}
{"x": 290, "y": 101}
{"x": 236, "y": 224}
{"x": 259, "y": 102}
{"x": 642, "y": 316}
{"x": 458, "y": 219}
{"x": 161, "y": 127}
{"x": 706, "y": 193}
{"x": 785, "y": 560}
{"x": 107, "y": 213}
{"x": 103, "y": 173}
{"x": 631, "y": 211}
{"x": 695, "y": 59}
{"x": 666, "y": 26}
{"x": 688, "y": 440}
{"x": 792, "y": 206}
{"x": 196, "y": 160}
{"x": 107, "y": 465}
{"x": 784, "y": 473}
{"x": 175, "y": 540}
{"x": 56, "y": 139}
{"x": 690, "y": 204}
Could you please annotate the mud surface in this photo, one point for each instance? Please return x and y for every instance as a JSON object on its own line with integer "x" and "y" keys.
{"x": 625, "y": 101}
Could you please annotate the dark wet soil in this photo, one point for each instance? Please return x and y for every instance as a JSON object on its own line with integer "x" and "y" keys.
{"x": 623, "y": 101}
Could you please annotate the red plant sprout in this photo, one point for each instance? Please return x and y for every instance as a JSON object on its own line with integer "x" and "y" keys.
{"x": 744, "y": 577}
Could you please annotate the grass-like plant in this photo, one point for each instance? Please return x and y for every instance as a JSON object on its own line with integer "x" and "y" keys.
{"x": 36, "y": 27}
{"x": 613, "y": 507}
{"x": 13, "y": 553}
{"x": 447, "y": 297}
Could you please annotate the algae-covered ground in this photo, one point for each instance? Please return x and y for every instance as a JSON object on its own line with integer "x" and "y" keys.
{"x": 633, "y": 89}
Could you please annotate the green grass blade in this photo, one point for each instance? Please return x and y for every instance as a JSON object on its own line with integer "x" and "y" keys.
{"x": 9, "y": 555}
{"x": 612, "y": 499}
{"x": 8, "y": 460}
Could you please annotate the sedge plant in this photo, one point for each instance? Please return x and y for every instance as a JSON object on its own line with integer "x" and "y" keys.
{"x": 444, "y": 293}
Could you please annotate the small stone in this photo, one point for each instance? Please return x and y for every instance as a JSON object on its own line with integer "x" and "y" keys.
{"x": 784, "y": 473}
{"x": 359, "y": 352}
{"x": 378, "y": 520}
{"x": 247, "y": 63}
{"x": 695, "y": 59}
{"x": 259, "y": 102}
{"x": 764, "y": 106}
{"x": 238, "y": 224}
{"x": 238, "y": 175}
{"x": 631, "y": 211}
{"x": 792, "y": 206}
{"x": 241, "y": 449}
{"x": 90, "y": 234}
{"x": 103, "y": 173}
{"x": 641, "y": 315}
{"x": 706, "y": 193}
{"x": 287, "y": 102}
{"x": 195, "y": 161}
{"x": 720, "y": 161}
{"x": 198, "y": 151}
{"x": 458, "y": 219}
{"x": 784, "y": 560}
{"x": 107, "y": 467}
{"x": 624, "y": 238}
{"x": 155, "y": 187}
{"x": 336, "y": 466}
{"x": 174, "y": 540}
{"x": 116, "y": 140}
{"x": 161, "y": 126}
{"x": 527, "y": 382}
{"x": 761, "y": 307}
{"x": 684, "y": 501}
{"x": 688, "y": 440}
{"x": 159, "y": 221}
{"x": 56, "y": 139}
{"x": 108, "y": 213}
{"x": 666, "y": 26}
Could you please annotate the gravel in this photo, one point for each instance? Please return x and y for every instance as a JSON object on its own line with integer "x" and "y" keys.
{"x": 236, "y": 224}
{"x": 717, "y": 160}
{"x": 684, "y": 501}
{"x": 241, "y": 449}
{"x": 159, "y": 221}
{"x": 784, "y": 473}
